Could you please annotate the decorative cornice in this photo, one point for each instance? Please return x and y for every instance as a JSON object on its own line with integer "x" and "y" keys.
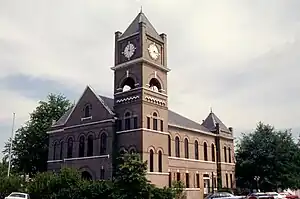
{"x": 127, "y": 99}
{"x": 156, "y": 101}
{"x": 191, "y": 160}
{"x": 143, "y": 129}
{"x": 85, "y": 158}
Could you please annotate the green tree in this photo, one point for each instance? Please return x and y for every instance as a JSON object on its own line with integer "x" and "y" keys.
{"x": 271, "y": 155}
{"x": 30, "y": 145}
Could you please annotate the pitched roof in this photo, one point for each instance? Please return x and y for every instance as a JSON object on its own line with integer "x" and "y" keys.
{"x": 211, "y": 123}
{"x": 134, "y": 27}
{"x": 174, "y": 118}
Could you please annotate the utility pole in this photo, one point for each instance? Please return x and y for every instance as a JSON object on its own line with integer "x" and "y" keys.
{"x": 11, "y": 142}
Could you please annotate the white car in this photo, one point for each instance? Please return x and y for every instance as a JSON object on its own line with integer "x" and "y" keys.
{"x": 17, "y": 195}
{"x": 275, "y": 195}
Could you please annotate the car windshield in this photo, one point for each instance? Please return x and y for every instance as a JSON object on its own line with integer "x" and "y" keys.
{"x": 259, "y": 194}
{"x": 18, "y": 195}
{"x": 273, "y": 194}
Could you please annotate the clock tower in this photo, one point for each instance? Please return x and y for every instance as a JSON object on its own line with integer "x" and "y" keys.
{"x": 141, "y": 95}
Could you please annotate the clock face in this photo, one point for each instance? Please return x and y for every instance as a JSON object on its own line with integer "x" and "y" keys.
{"x": 129, "y": 50}
{"x": 153, "y": 51}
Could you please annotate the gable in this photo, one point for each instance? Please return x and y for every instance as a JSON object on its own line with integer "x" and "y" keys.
{"x": 97, "y": 108}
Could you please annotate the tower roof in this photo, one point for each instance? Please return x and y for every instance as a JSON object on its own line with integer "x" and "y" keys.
{"x": 211, "y": 123}
{"x": 134, "y": 27}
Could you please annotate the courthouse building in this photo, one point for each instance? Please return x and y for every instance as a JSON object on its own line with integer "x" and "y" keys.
{"x": 138, "y": 119}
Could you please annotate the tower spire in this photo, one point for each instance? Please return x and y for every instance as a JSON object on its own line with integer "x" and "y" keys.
{"x": 141, "y": 10}
{"x": 211, "y": 109}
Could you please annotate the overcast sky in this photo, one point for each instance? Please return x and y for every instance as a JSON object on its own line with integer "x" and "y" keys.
{"x": 241, "y": 57}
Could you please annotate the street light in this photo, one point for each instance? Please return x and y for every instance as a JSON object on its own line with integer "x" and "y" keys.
{"x": 256, "y": 178}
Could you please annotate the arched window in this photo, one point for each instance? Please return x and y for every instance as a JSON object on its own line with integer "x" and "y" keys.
{"x": 213, "y": 156}
{"x": 90, "y": 150}
{"x": 132, "y": 151}
{"x": 87, "y": 111}
{"x": 177, "y": 147}
{"x": 196, "y": 150}
{"x": 155, "y": 121}
{"x": 169, "y": 145}
{"x": 127, "y": 121}
{"x": 225, "y": 154}
{"x": 186, "y": 148}
{"x": 86, "y": 175}
{"x": 229, "y": 154}
{"x": 128, "y": 84}
{"x": 159, "y": 161}
{"x": 103, "y": 144}
{"x": 205, "y": 151}
{"x": 81, "y": 146}
{"x": 70, "y": 148}
{"x": 54, "y": 150}
{"x": 155, "y": 85}
{"x": 122, "y": 152}
{"x": 151, "y": 161}
{"x": 61, "y": 150}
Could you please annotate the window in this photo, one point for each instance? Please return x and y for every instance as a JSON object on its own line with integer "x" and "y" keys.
{"x": 127, "y": 121}
{"x": 135, "y": 123}
{"x": 103, "y": 143}
{"x": 155, "y": 121}
{"x": 178, "y": 176}
{"x": 132, "y": 151}
{"x": 102, "y": 172}
{"x": 186, "y": 148}
{"x": 213, "y": 156}
{"x": 151, "y": 160}
{"x": 87, "y": 111}
{"x": 227, "y": 180}
{"x": 197, "y": 180}
{"x": 61, "y": 150}
{"x": 225, "y": 154}
{"x": 231, "y": 185}
{"x": 177, "y": 147}
{"x": 81, "y": 146}
{"x": 187, "y": 180}
{"x": 229, "y": 155}
{"x": 90, "y": 149}
{"x": 148, "y": 122}
{"x": 159, "y": 161}
{"x": 196, "y": 150}
{"x": 54, "y": 150}
{"x": 162, "y": 125}
{"x": 170, "y": 179}
{"x": 169, "y": 145}
{"x": 205, "y": 151}
{"x": 70, "y": 148}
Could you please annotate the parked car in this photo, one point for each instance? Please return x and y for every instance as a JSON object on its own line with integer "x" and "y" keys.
{"x": 275, "y": 195}
{"x": 18, "y": 195}
{"x": 259, "y": 195}
{"x": 287, "y": 195}
{"x": 223, "y": 195}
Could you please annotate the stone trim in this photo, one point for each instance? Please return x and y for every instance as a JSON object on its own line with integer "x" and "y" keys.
{"x": 191, "y": 160}
{"x": 89, "y": 157}
{"x": 227, "y": 163}
{"x": 143, "y": 129}
{"x": 54, "y": 161}
{"x": 157, "y": 173}
{"x": 86, "y": 118}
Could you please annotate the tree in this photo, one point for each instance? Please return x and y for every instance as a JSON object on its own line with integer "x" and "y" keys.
{"x": 30, "y": 145}
{"x": 267, "y": 159}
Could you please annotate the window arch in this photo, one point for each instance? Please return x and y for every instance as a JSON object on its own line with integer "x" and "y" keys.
{"x": 155, "y": 121}
{"x": 229, "y": 154}
{"x": 205, "y": 151}
{"x": 225, "y": 154}
{"x": 61, "y": 150}
{"x": 86, "y": 175}
{"x": 159, "y": 161}
{"x": 213, "y": 156}
{"x": 103, "y": 143}
{"x": 132, "y": 150}
{"x": 54, "y": 150}
{"x": 127, "y": 121}
{"x": 128, "y": 84}
{"x": 87, "y": 110}
{"x": 155, "y": 85}
{"x": 196, "y": 150}
{"x": 177, "y": 147}
{"x": 169, "y": 145}
{"x": 81, "y": 146}
{"x": 90, "y": 150}
{"x": 70, "y": 148}
{"x": 186, "y": 148}
{"x": 151, "y": 160}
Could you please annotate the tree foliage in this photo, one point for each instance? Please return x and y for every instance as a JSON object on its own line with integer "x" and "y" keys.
{"x": 271, "y": 155}
{"x": 30, "y": 145}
